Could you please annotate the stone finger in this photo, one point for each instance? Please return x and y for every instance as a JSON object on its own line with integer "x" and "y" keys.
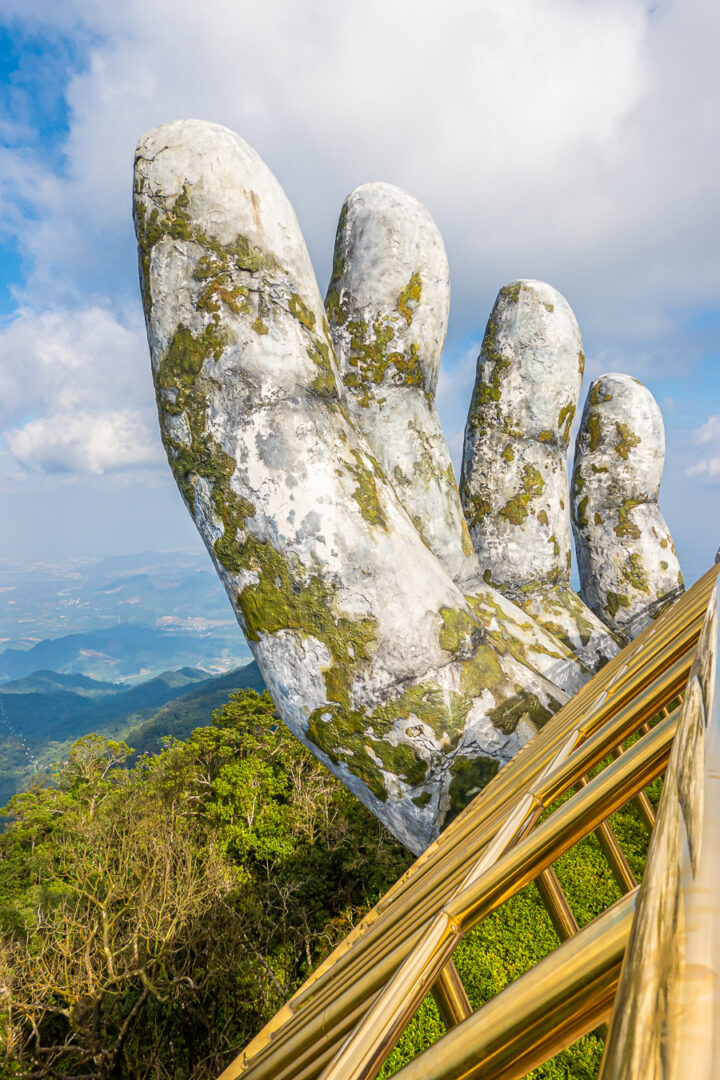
{"x": 514, "y": 484}
{"x": 629, "y": 569}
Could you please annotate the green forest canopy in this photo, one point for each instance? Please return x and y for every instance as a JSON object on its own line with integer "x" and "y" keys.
{"x": 154, "y": 917}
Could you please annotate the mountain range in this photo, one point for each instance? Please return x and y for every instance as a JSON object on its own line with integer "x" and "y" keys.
{"x": 42, "y": 713}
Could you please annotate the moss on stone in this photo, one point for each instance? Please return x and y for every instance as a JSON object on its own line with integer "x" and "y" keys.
{"x": 634, "y": 573}
{"x": 512, "y": 292}
{"x": 562, "y": 597}
{"x": 411, "y": 293}
{"x": 366, "y": 493}
{"x": 578, "y": 481}
{"x": 175, "y": 223}
{"x": 593, "y": 429}
{"x": 468, "y": 548}
{"x": 301, "y": 311}
{"x": 459, "y": 630}
{"x": 523, "y": 706}
{"x": 371, "y": 361}
{"x": 219, "y": 288}
{"x": 543, "y": 518}
{"x": 626, "y": 440}
{"x": 217, "y": 269}
{"x": 566, "y": 417}
{"x": 475, "y": 507}
{"x": 342, "y": 736}
{"x": 599, "y": 519}
{"x": 595, "y": 397}
{"x": 625, "y": 526}
{"x": 614, "y": 601}
{"x": 324, "y": 383}
{"x": 286, "y": 595}
{"x": 184, "y": 360}
{"x": 516, "y": 509}
{"x": 336, "y": 312}
{"x": 492, "y": 365}
{"x": 422, "y": 800}
{"x": 545, "y": 436}
{"x": 508, "y": 453}
{"x": 580, "y": 515}
{"x": 581, "y": 362}
{"x": 469, "y": 776}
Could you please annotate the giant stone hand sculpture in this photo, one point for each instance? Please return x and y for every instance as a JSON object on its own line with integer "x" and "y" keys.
{"x": 412, "y": 680}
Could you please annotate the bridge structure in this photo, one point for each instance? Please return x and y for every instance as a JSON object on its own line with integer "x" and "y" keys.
{"x": 646, "y": 970}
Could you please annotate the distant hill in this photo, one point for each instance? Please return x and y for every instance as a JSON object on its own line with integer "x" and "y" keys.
{"x": 43, "y": 713}
{"x": 43, "y": 682}
{"x": 121, "y": 652}
{"x": 191, "y": 710}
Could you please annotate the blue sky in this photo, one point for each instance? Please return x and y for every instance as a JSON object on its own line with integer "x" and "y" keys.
{"x": 574, "y": 141}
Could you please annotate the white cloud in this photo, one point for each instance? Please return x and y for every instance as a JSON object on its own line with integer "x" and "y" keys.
{"x": 72, "y": 359}
{"x": 504, "y": 116}
{"x": 573, "y": 140}
{"x": 86, "y": 442}
{"x": 708, "y": 468}
{"x": 710, "y": 430}
{"x": 76, "y": 392}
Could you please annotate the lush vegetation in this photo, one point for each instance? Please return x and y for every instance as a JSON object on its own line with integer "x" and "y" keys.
{"x": 156, "y": 911}
{"x": 153, "y": 917}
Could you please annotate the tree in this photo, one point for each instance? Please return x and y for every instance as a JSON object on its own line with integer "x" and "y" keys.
{"x": 153, "y": 916}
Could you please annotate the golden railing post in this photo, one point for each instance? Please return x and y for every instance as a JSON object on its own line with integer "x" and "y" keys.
{"x": 567, "y": 994}
{"x": 556, "y": 904}
{"x": 641, "y": 800}
{"x": 450, "y": 996}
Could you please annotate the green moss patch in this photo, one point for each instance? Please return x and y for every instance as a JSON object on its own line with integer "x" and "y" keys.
{"x": 516, "y": 509}
{"x": 626, "y": 440}
{"x": 410, "y": 294}
{"x": 614, "y": 601}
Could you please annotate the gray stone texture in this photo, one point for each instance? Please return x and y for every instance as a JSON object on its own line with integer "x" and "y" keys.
{"x": 514, "y": 484}
{"x": 629, "y": 569}
{"x": 373, "y": 656}
{"x": 388, "y": 303}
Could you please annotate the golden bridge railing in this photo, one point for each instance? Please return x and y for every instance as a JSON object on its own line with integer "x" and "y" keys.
{"x": 345, "y": 1020}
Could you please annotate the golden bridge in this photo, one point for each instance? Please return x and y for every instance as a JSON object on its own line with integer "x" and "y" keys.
{"x": 647, "y": 968}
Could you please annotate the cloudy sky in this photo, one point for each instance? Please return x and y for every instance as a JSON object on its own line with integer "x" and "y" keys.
{"x": 570, "y": 140}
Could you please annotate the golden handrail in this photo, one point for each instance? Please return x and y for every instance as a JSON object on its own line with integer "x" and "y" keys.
{"x": 344, "y": 1021}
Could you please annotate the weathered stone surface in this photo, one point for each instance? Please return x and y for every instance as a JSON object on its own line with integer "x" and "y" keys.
{"x": 372, "y": 654}
{"x": 629, "y": 570}
{"x": 387, "y": 304}
{"x": 514, "y": 484}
